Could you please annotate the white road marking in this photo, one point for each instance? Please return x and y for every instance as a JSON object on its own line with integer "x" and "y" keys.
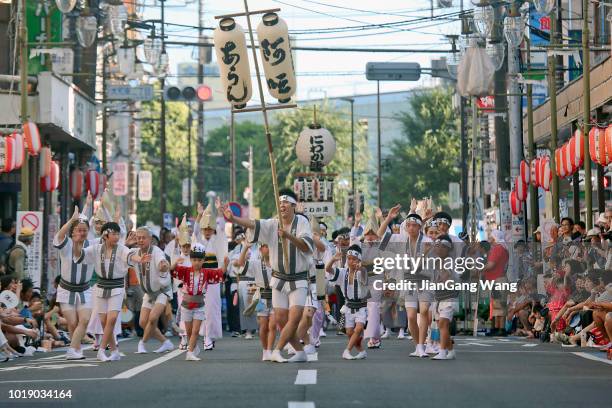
{"x": 143, "y": 367}
{"x": 306, "y": 377}
{"x": 313, "y": 357}
{"x": 301, "y": 404}
{"x": 473, "y": 343}
{"x": 530, "y": 345}
{"x": 591, "y": 357}
{"x": 52, "y": 380}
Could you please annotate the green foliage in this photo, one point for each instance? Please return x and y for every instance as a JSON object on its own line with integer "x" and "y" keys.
{"x": 426, "y": 159}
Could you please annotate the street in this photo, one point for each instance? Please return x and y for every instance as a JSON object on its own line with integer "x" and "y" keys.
{"x": 500, "y": 372}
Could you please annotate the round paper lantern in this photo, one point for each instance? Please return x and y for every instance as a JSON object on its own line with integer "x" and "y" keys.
{"x": 533, "y": 166}
{"x": 32, "y": 137}
{"x": 545, "y": 173}
{"x": 231, "y": 51}
{"x": 44, "y": 161}
{"x": 92, "y": 183}
{"x": 576, "y": 147}
{"x": 538, "y": 169}
{"x": 65, "y": 6}
{"x": 597, "y": 146}
{"x": 515, "y": 203}
{"x": 315, "y": 147}
{"x": 520, "y": 188}
{"x": 86, "y": 30}
{"x": 7, "y": 147}
{"x": 51, "y": 182}
{"x": 76, "y": 184}
{"x": 566, "y": 160}
{"x": 559, "y": 168}
{"x": 273, "y": 37}
{"x": 608, "y": 135}
{"x": 19, "y": 150}
{"x": 525, "y": 172}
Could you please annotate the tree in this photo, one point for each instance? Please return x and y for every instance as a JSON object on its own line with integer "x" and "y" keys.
{"x": 425, "y": 159}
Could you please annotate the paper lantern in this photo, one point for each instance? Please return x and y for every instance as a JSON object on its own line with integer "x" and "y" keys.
{"x": 525, "y": 172}
{"x": 76, "y": 184}
{"x": 515, "y": 203}
{"x": 7, "y": 146}
{"x": 92, "y": 183}
{"x": 233, "y": 61}
{"x": 65, "y": 6}
{"x": 273, "y": 37}
{"x": 44, "y": 161}
{"x": 315, "y": 147}
{"x": 51, "y": 182}
{"x": 545, "y": 173}
{"x": 102, "y": 186}
{"x": 566, "y": 160}
{"x": 520, "y": 188}
{"x": 559, "y": 168}
{"x": 608, "y": 135}
{"x": 86, "y": 30}
{"x": 576, "y": 147}
{"x": 32, "y": 137}
{"x": 533, "y": 166}
{"x": 597, "y": 146}
{"x": 19, "y": 150}
{"x": 538, "y": 169}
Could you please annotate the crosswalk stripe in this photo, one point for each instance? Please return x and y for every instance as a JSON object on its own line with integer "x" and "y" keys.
{"x": 306, "y": 377}
{"x": 301, "y": 404}
{"x": 143, "y": 367}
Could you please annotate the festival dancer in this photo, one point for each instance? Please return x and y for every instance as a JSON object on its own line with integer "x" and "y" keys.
{"x": 289, "y": 278}
{"x": 353, "y": 281}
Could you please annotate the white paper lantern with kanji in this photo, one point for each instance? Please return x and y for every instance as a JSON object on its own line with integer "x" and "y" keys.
{"x": 233, "y": 61}
{"x": 19, "y": 150}
{"x": 32, "y": 137}
{"x": 597, "y": 146}
{"x": 525, "y": 172}
{"x": 92, "y": 183}
{"x": 545, "y": 173}
{"x": 51, "y": 182}
{"x": 7, "y": 145}
{"x": 576, "y": 147}
{"x": 515, "y": 203}
{"x": 273, "y": 37}
{"x": 315, "y": 147}
{"x": 520, "y": 188}
{"x": 44, "y": 162}
{"x": 76, "y": 184}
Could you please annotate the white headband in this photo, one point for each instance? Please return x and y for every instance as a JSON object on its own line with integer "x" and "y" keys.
{"x": 287, "y": 198}
{"x": 354, "y": 253}
{"x": 414, "y": 219}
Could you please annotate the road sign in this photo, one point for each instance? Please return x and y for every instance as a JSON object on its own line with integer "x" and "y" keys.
{"x": 236, "y": 209}
{"x": 490, "y": 178}
{"x": 145, "y": 188}
{"x": 393, "y": 71}
{"x": 133, "y": 93}
{"x": 32, "y": 220}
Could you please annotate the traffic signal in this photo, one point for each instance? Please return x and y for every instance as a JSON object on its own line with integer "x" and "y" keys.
{"x": 200, "y": 93}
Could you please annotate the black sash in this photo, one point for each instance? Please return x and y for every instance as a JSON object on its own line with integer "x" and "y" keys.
{"x": 108, "y": 278}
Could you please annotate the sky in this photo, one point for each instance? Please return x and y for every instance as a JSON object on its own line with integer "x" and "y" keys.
{"x": 328, "y": 74}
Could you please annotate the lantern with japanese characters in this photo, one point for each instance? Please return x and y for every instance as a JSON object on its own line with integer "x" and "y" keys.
{"x": 576, "y": 147}
{"x": 51, "y": 182}
{"x": 535, "y": 172}
{"x": 19, "y": 150}
{"x": 515, "y": 203}
{"x": 92, "y": 183}
{"x": 273, "y": 36}
{"x": 609, "y": 141}
{"x": 525, "y": 172}
{"x": 520, "y": 188}
{"x": 76, "y": 184}
{"x": 7, "y": 148}
{"x": 597, "y": 146}
{"x": 315, "y": 147}
{"x": 44, "y": 162}
{"x": 32, "y": 137}
{"x": 231, "y": 51}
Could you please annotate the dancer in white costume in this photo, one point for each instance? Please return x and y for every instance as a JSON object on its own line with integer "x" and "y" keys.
{"x": 73, "y": 292}
{"x": 209, "y": 231}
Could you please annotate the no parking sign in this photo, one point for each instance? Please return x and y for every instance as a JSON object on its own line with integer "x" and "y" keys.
{"x": 34, "y": 221}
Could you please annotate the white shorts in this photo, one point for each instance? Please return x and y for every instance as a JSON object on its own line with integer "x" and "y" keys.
{"x": 63, "y": 298}
{"x": 311, "y": 298}
{"x": 147, "y": 303}
{"x": 446, "y": 309}
{"x": 352, "y": 318}
{"x": 187, "y": 315}
{"x": 113, "y": 303}
{"x": 413, "y": 297}
{"x": 267, "y": 311}
{"x": 286, "y": 298}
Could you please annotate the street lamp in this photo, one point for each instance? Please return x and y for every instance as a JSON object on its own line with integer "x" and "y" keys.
{"x": 483, "y": 21}
{"x": 514, "y": 29}
{"x": 86, "y": 30}
{"x": 117, "y": 18}
{"x": 497, "y": 53}
{"x": 352, "y": 102}
{"x": 544, "y": 6}
{"x": 65, "y": 6}
{"x": 162, "y": 66}
{"x": 152, "y": 50}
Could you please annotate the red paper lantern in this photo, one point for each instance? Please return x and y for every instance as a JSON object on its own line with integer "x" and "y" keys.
{"x": 19, "y": 150}
{"x": 597, "y": 146}
{"x": 538, "y": 169}
{"x": 44, "y": 161}
{"x": 567, "y": 162}
{"x": 525, "y": 172}
{"x": 7, "y": 147}
{"x": 609, "y": 142}
{"x": 520, "y": 188}
{"x": 545, "y": 173}
{"x": 515, "y": 203}
{"x": 51, "y": 182}
{"x": 576, "y": 146}
{"x": 76, "y": 184}
{"x": 533, "y": 172}
{"x": 559, "y": 169}
{"x": 92, "y": 183}
{"x": 32, "y": 137}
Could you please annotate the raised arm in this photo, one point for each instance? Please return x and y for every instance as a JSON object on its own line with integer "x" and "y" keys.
{"x": 61, "y": 234}
{"x": 241, "y": 261}
{"x": 243, "y": 222}
{"x": 393, "y": 212}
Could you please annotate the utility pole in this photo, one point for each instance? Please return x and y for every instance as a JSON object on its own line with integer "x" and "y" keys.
{"x": 189, "y": 170}
{"x": 23, "y": 72}
{"x": 502, "y": 143}
{"x": 162, "y": 199}
{"x": 586, "y": 111}
{"x": 533, "y": 191}
{"x": 378, "y": 147}
{"x": 200, "y": 139}
{"x": 552, "y": 91}
{"x": 232, "y": 157}
{"x": 353, "y": 187}
{"x": 251, "y": 184}
{"x": 464, "y": 164}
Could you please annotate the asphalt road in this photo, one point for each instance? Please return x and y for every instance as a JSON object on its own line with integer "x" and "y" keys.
{"x": 488, "y": 372}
